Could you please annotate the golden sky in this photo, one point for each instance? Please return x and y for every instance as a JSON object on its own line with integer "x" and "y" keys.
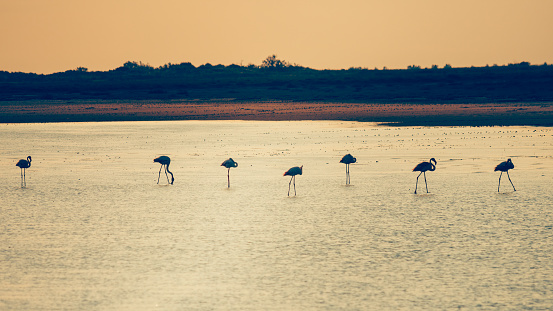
{"x": 57, "y": 35}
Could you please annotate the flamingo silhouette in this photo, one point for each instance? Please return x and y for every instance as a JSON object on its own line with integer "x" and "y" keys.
{"x": 347, "y": 160}
{"x": 23, "y": 165}
{"x": 164, "y": 161}
{"x": 228, "y": 164}
{"x": 505, "y": 167}
{"x": 293, "y": 172}
{"x": 422, "y": 168}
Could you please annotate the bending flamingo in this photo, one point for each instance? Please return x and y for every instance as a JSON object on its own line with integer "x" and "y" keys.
{"x": 228, "y": 164}
{"x": 164, "y": 161}
{"x": 293, "y": 172}
{"x": 422, "y": 168}
{"x": 23, "y": 165}
{"x": 505, "y": 167}
{"x": 347, "y": 160}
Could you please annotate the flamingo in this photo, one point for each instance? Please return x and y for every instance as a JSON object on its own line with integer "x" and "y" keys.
{"x": 293, "y": 172}
{"x": 164, "y": 161}
{"x": 228, "y": 164}
{"x": 347, "y": 160}
{"x": 422, "y": 168}
{"x": 505, "y": 167}
{"x": 23, "y": 165}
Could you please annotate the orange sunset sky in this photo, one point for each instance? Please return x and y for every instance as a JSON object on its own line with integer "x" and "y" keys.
{"x": 57, "y": 35}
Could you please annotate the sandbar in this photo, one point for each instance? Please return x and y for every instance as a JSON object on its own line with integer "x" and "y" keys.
{"x": 402, "y": 114}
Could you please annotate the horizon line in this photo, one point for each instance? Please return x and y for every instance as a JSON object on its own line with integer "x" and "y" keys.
{"x": 287, "y": 65}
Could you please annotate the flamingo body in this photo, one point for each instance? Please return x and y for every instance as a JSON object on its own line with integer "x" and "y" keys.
{"x": 24, "y": 163}
{"x": 505, "y": 167}
{"x": 229, "y": 163}
{"x": 164, "y": 161}
{"x": 293, "y": 172}
{"x": 347, "y": 160}
{"x": 423, "y": 167}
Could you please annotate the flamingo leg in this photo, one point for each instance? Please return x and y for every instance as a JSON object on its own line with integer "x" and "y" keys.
{"x": 348, "y": 180}
{"x": 159, "y": 174}
{"x": 167, "y": 175}
{"x": 289, "y": 184}
{"x": 499, "y": 181}
{"x": 425, "y": 182}
{"x": 417, "y": 184}
{"x": 294, "y": 184}
{"x": 511, "y": 181}
{"x": 228, "y": 177}
{"x": 346, "y": 174}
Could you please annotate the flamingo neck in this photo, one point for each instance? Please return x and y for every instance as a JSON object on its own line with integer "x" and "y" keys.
{"x": 172, "y": 177}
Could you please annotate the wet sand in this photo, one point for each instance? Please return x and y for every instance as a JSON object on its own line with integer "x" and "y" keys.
{"x": 440, "y": 114}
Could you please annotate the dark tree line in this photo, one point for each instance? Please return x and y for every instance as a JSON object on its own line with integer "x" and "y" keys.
{"x": 277, "y": 79}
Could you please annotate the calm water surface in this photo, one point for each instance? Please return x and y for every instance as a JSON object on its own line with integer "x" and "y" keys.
{"x": 93, "y": 231}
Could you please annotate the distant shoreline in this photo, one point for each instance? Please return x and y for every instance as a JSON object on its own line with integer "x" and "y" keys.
{"x": 517, "y": 94}
{"x": 398, "y": 114}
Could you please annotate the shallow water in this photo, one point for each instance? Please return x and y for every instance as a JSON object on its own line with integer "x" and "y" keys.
{"x": 92, "y": 230}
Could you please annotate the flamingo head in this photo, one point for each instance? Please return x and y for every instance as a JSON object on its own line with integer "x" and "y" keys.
{"x": 434, "y": 160}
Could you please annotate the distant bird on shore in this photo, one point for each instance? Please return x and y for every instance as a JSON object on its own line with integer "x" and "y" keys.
{"x": 347, "y": 160}
{"x": 422, "y": 168}
{"x": 293, "y": 172}
{"x": 505, "y": 167}
{"x": 229, "y": 163}
{"x": 23, "y": 165}
{"x": 164, "y": 161}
